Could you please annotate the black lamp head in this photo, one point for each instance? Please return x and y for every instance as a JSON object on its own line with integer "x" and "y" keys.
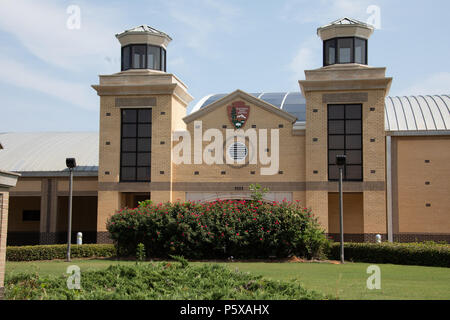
{"x": 341, "y": 159}
{"x": 71, "y": 163}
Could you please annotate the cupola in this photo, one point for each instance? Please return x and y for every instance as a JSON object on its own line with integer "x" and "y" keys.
{"x": 143, "y": 47}
{"x": 345, "y": 41}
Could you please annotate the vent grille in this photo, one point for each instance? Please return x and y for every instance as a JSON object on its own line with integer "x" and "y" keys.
{"x": 237, "y": 151}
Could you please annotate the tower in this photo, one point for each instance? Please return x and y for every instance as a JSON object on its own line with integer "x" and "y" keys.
{"x": 345, "y": 115}
{"x": 140, "y": 107}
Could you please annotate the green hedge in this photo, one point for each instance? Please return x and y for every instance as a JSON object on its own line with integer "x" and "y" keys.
{"x": 420, "y": 254}
{"x": 219, "y": 229}
{"x": 50, "y": 252}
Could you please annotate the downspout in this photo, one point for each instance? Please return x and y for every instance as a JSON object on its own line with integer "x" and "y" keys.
{"x": 389, "y": 187}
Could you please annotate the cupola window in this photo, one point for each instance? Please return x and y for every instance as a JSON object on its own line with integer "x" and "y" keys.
{"x": 345, "y": 50}
{"x": 141, "y": 56}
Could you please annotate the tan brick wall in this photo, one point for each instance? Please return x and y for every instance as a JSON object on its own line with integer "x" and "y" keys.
{"x": 109, "y": 158}
{"x": 413, "y": 193}
{"x": 291, "y": 152}
{"x": 353, "y": 213}
{"x": 374, "y": 160}
{"x": 373, "y": 156}
{"x": 109, "y": 155}
{"x": 316, "y": 155}
{"x": 3, "y": 233}
{"x": 108, "y": 204}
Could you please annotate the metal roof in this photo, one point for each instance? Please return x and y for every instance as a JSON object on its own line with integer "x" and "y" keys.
{"x": 143, "y": 29}
{"x": 47, "y": 152}
{"x": 418, "y": 113}
{"x": 346, "y": 21}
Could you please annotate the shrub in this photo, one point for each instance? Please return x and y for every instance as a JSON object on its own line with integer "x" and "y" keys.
{"x": 49, "y": 252}
{"x": 140, "y": 252}
{"x": 219, "y": 229}
{"x": 420, "y": 254}
{"x": 168, "y": 281}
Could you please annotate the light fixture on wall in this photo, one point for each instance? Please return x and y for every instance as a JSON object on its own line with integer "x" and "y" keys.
{"x": 71, "y": 164}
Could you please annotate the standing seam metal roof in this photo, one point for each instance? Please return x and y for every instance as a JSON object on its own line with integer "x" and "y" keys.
{"x": 418, "y": 113}
{"x": 47, "y": 152}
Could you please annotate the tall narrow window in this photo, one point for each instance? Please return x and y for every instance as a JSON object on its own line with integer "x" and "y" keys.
{"x": 163, "y": 60}
{"x": 330, "y": 52}
{"x": 345, "y": 50}
{"x": 126, "y": 58}
{"x": 136, "y": 145}
{"x": 138, "y": 56}
{"x": 154, "y": 58}
{"x": 345, "y": 137}
{"x": 360, "y": 51}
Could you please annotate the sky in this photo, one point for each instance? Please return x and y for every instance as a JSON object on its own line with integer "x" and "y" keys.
{"x": 51, "y": 52}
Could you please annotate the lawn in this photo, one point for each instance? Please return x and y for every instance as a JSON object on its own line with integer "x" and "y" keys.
{"x": 342, "y": 281}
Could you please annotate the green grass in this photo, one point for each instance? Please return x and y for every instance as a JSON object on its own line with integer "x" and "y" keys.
{"x": 342, "y": 281}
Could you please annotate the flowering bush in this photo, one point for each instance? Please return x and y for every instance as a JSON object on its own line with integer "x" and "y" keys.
{"x": 219, "y": 229}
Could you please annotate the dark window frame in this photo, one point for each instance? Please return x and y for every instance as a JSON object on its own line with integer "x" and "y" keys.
{"x": 162, "y": 57}
{"x": 345, "y": 135}
{"x": 336, "y": 53}
{"x": 136, "y": 138}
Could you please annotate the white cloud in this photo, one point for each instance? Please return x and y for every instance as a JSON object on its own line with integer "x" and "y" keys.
{"x": 16, "y": 73}
{"x": 438, "y": 83}
{"x": 308, "y": 57}
{"x": 41, "y": 27}
{"x": 324, "y": 11}
{"x": 202, "y": 19}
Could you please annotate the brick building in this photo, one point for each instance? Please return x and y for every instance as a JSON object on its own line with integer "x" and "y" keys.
{"x": 397, "y": 175}
{"x": 7, "y": 181}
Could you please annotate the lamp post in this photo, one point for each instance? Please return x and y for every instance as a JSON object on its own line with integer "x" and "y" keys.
{"x": 340, "y": 161}
{"x": 71, "y": 164}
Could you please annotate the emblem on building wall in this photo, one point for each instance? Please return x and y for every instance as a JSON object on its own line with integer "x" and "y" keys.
{"x": 238, "y": 114}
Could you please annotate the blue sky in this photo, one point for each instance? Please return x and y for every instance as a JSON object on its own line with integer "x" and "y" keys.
{"x": 46, "y": 69}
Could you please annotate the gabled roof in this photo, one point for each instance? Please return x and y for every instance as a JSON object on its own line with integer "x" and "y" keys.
{"x": 291, "y": 102}
{"x": 244, "y": 96}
